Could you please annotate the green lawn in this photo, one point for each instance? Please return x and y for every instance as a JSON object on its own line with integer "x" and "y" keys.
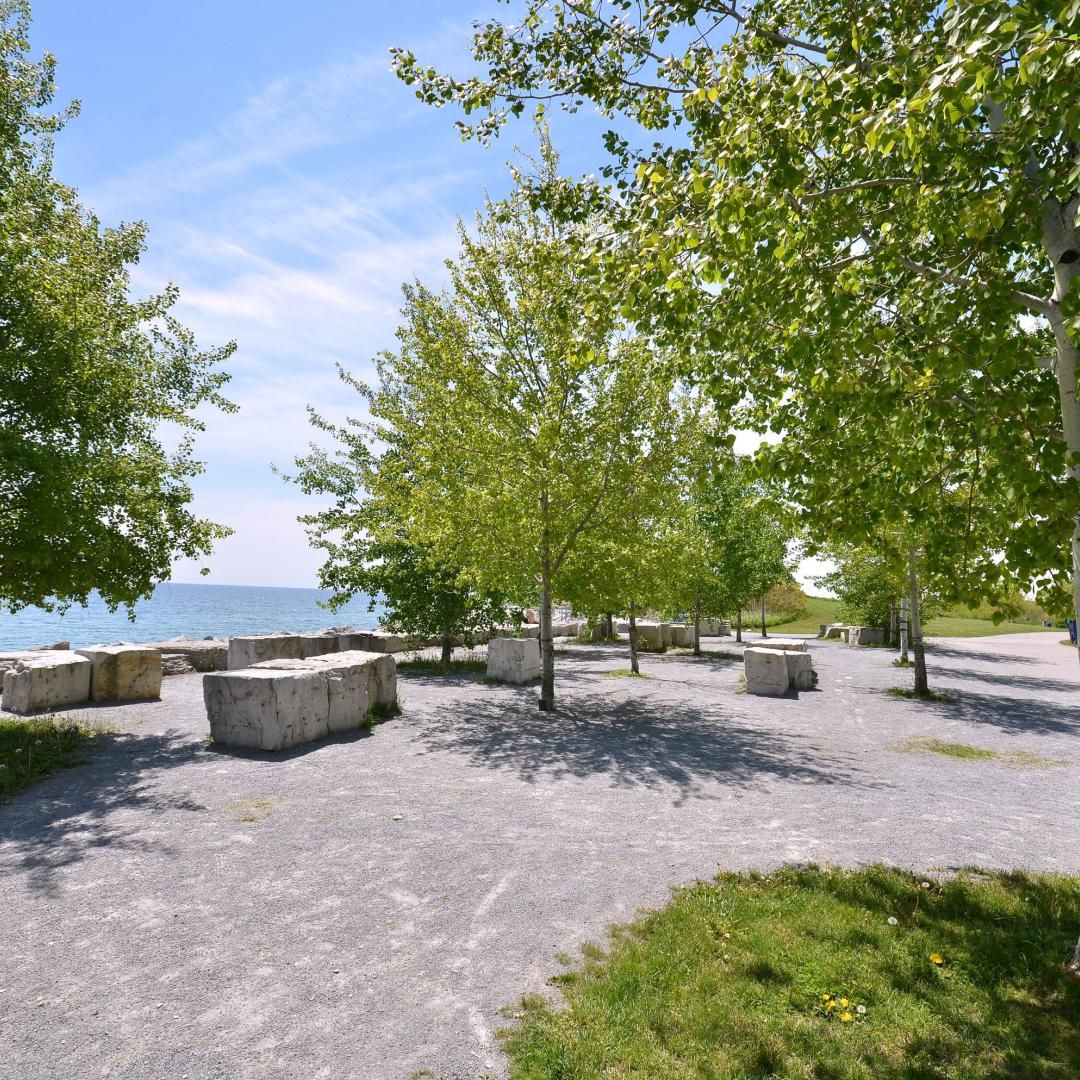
{"x": 822, "y": 974}
{"x": 821, "y": 609}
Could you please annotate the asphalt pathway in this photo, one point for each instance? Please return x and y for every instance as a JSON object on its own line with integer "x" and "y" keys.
{"x": 363, "y": 908}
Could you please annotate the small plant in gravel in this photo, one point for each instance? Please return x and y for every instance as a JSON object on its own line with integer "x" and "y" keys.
{"x": 625, "y": 673}
{"x": 900, "y": 662}
{"x": 379, "y": 713}
{"x": 34, "y": 747}
{"x": 905, "y": 692}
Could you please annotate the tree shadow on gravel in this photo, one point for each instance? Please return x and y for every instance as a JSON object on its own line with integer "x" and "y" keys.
{"x": 71, "y": 814}
{"x": 637, "y": 744}
{"x": 933, "y": 649}
{"x": 996, "y": 678}
{"x": 1012, "y": 714}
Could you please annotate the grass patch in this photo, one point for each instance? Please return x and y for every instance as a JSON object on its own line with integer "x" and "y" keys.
{"x": 976, "y": 753}
{"x": 32, "y": 748}
{"x": 905, "y": 692}
{"x": 903, "y": 663}
{"x": 423, "y": 665}
{"x": 378, "y": 714}
{"x": 948, "y": 626}
{"x": 253, "y": 812}
{"x": 801, "y": 973}
{"x": 624, "y": 673}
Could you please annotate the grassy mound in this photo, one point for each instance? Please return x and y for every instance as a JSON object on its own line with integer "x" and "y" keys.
{"x": 34, "y": 747}
{"x": 823, "y": 974}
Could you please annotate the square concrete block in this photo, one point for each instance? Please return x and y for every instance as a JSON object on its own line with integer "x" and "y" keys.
{"x": 252, "y": 649}
{"x": 866, "y": 635}
{"x": 47, "y": 681}
{"x": 766, "y": 672}
{"x": 836, "y": 630}
{"x": 123, "y": 672}
{"x": 266, "y": 708}
{"x": 514, "y": 660}
{"x": 651, "y": 635}
{"x": 355, "y": 675}
{"x": 682, "y": 636}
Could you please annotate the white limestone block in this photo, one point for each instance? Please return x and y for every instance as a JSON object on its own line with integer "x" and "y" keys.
{"x": 266, "y": 708}
{"x": 836, "y": 630}
{"x": 682, "y": 636}
{"x": 800, "y": 670}
{"x": 123, "y": 672}
{"x": 785, "y": 644}
{"x": 47, "y": 681}
{"x": 244, "y": 651}
{"x": 866, "y": 635}
{"x": 514, "y": 660}
{"x": 651, "y": 635}
{"x": 318, "y": 644}
{"x": 766, "y": 672}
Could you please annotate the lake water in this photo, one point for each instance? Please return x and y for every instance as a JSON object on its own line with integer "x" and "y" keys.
{"x": 191, "y": 610}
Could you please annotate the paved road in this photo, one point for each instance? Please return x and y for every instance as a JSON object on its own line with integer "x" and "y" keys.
{"x": 365, "y": 907}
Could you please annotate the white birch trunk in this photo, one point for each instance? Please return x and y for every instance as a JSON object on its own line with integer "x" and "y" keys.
{"x": 922, "y": 686}
{"x": 903, "y": 629}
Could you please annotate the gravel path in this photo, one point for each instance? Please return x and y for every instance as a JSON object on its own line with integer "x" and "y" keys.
{"x": 363, "y": 908}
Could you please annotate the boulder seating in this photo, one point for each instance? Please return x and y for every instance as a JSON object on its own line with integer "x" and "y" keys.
{"x": 514, "y": 660}
{"x": 47, "y": 681}
{"x": 123, "y": 672}
{"x": 773, "y": 672}
{"x": 277, "y": 704}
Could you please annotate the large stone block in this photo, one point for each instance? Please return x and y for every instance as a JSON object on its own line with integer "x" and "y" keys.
{"x": 772, "y": 672}
{"x": 785, "y": 644}
{"x": 123, "y": 672}
{"x": 210, "y": 654}
{"x": 866, "y": 635}
{"x": 766, "y": 672}
{"x": 800, "y": 670}
{"x": 682, "y": 636}
{"x": 267, "y": 708}
{"x": 318, "y": 644}
{"x": 514, "y": 660}
{"x": 247, "y": 650}
{"x": 836, "y": 630}
{"x": 379, "y": 672}
{"x": 47, "y": 681}
{"x": 650, "y": 635}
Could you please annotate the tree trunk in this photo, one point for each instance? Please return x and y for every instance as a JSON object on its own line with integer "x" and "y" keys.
{"x": 903, "y": 629}
{"x": 610, "y": 627}
{"x": 633, "y": 642}
{"x": 547, "y": 646}
{"x": 763, "y": 631}
{"x": 697, "y": 630}
{"x": 1061, "y": 241}
{"x": 447, "y": 648}
{"x": 738, "y": 626}
{"x": 922, "y": 688}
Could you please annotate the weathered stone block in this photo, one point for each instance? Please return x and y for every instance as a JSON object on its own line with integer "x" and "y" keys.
{"x": 836, "y": 630}
{"x": 252, "y": 649}
{"x": 266, "y": 708}
{"x": 123, "y": 672}
{"x": 651, "y": 635}
{"x": 766, "y": 672}
{"x": 680, "y": 636}
{"x": 866, "y": 635}
{"x": 379, "y": 672}
{"x": 514, "y": 660}
{"x": 207, "y": 654}
{"x": 47, "y": 681}
{"x": 800, "y": 670}
{"x": 784, "y": 644}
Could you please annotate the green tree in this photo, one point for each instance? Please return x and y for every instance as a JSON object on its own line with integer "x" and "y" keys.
{"x": 90, "y": 498}
{"x": 364, "y": 533}
{"x": 835, "y": 172}
{"x": 531, "y": 426}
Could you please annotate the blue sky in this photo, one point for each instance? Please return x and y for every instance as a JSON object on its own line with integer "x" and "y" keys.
{"x": 290, "y": 184}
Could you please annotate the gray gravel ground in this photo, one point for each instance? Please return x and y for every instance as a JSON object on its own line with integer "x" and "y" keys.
{"x": 363, "y": 908}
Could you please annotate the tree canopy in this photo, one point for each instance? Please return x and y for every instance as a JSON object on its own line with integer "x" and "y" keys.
{"x": 825, "y": 181}
{"x": 90, "y": 497}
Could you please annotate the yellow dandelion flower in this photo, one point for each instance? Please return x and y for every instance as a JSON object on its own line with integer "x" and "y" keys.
{"x": 846, "y": 1018}
{"x": 825, "y": 997}
{"x": 844, "y": 1002}
{"x": 830, "y": 1005}
{"x": 937, "y": 959}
